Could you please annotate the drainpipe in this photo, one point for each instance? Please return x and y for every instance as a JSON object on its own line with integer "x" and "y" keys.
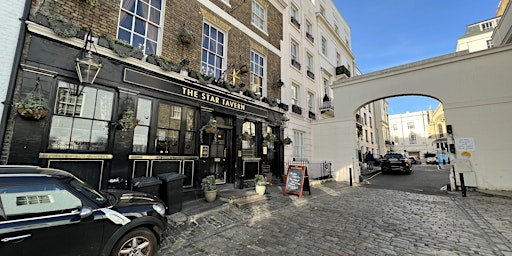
{"x": 14, "y": 72}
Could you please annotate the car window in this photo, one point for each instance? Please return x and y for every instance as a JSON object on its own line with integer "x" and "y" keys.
{"x": 89, "y": 192}
{"x": 33, "y": 200}
{"x": 394, "y": 156}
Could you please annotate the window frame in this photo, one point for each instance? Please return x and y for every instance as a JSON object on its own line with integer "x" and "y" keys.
{"x": 213, "y": 68}
{"x": 136, "y": 16}
{"x": 262, "y": 20}
{"x": 261, "y": 73}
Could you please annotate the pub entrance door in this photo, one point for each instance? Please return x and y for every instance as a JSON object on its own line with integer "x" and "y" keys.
{"x": 220, "y": 154}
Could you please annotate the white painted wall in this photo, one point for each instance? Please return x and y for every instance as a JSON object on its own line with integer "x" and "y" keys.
{"x": 11, "y": 11}
{"x": 474, "y": 89}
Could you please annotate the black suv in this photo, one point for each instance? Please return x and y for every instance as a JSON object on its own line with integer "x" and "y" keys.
{"x": 395, "y": 161}
{"x": 47, "y": 211}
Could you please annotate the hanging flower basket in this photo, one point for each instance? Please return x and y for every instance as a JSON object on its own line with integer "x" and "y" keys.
{"x": 246, "y": 136}
{"x": 187, "y": 36}
{"x": 270, "y": 137}
{"x": 210, "y": 127}
{"x": 32, "y": 106}
{"x": 244, "y": 69}
{"x": 128, "y": 121}
{"x": 287, "y": 141}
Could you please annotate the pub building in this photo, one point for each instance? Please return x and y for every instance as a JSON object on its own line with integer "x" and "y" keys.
{"x": 112, "y": 118}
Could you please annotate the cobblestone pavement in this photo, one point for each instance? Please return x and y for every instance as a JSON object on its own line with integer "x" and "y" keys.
{"x": 341, "y": 220}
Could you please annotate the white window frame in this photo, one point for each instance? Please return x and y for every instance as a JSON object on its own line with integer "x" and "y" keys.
{"x": 295, "y": 94}
{"x": 298, "y": 144}
{"x": 258, "y": 72}
{"x": 311, "y": 102}
{"x": 206, "y": 67}
{"x": 294, "y": 50}
{"x": 324, "y": 46}
{"x": 148, "y": 21}
{"x": 309, "y": 62}
{"x": 259, "y": 15}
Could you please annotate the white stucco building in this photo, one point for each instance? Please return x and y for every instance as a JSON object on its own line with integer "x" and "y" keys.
{"x": 409, "y": 133}
{"x": 478, "y": 36}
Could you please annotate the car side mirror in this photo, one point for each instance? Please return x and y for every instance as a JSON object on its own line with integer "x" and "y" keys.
{"x": 85, "y": 212}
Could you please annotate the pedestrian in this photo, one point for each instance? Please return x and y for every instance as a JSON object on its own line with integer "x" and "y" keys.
{"x": 369, "y": 160}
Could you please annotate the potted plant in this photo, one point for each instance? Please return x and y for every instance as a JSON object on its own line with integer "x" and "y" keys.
{"x": 62, "y": 27}
{"x": 32, "y": 107}
{"x": 260, "y": 183}
{"x": 287, "y": 141}
{"x": 209, "y": 187}
{"x": 187, "y": 36}
{"x": 128, "y": 121}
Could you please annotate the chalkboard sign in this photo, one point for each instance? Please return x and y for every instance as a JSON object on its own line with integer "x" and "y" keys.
{"x": 297, "y": 181}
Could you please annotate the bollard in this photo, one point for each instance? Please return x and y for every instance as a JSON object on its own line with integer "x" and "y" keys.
{"x": 454, "y": 178}
{"x": 462, "y": 186}
{"x": 350, "y": 174}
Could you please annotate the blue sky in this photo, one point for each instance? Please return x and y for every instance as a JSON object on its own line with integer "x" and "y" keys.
{"x": 385, "y": 34}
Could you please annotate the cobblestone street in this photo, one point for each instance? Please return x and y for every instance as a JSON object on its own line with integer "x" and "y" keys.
{"x": 341, "y": 220}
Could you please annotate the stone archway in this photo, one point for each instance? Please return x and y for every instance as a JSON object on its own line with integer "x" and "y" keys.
{"x": 476, "y": 92}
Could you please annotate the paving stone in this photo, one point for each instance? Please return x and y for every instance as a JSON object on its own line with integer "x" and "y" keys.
{"x": 341, "y": 220}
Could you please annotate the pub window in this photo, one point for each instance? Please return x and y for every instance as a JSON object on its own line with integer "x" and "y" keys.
{"x": 257, "y": 72}
{"x": 212, "y": 53}
{"x": 249, "y": 139}
{"x": 81, "y": 122}
{"x": 175, "y": 124}
{"x": 141, "y": 131}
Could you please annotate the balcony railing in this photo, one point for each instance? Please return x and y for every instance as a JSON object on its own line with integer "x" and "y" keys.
{"x": 342, "y": 70}
{"x": 296, "y": 64}
{"x": 327, "y": 109}
{"x": 295, "y": 22}
{"x": 310, "y": 37}
{"x": 311, "y": 74}
{"x": 296, "y": 109}
{"x": 311, "y": 115}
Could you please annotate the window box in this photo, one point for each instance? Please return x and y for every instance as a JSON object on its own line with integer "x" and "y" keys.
{"x": 296, "y": 109}
{"x": 311, "y": 74}
{"x": 310, "y": 37}
{"x": 311, "y": 115}
{"x": 296, "y": 64}
{"x": 295, "y": 22}
{"x": 342, "y": 70}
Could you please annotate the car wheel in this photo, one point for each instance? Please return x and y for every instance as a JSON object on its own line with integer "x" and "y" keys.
{"x": 140, "y": 241}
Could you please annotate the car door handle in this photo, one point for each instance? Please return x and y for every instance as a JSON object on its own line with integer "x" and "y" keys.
{"x": 8, "y": 239}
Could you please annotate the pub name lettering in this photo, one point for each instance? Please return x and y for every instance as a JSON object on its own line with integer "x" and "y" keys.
{"x": 212, "y": 98}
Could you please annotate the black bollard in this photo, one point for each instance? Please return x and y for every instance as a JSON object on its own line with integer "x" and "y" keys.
{"x": 462, "y": 186}
{"x": 350, "y": 174}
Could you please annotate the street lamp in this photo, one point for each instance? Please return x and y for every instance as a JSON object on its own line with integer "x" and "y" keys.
{"x": 87, "y": 66}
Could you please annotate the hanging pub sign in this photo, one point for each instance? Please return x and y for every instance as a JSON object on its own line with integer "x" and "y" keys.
{"x": 297, "y": 180}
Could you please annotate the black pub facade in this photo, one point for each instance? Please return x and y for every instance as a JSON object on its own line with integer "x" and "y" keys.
{"x": 139, "y": 118}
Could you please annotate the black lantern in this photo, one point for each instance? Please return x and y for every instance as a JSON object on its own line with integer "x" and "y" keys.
{"x": 87, "y": 65}
{"x": 284, "y": 120}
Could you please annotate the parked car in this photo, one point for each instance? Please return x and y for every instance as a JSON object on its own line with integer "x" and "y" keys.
{"x": 431, "y": 160}
{"x": 46, "y": 211}
{"x": 395, "y": 161}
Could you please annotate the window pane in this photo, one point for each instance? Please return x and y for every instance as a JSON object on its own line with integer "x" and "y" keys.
{"x": 129, "y": 5}
{"x": 104, "y": 105}
{"x": 88, "y": 101}
{"x": 140, "y": 139}
{"x": 124, "y": 35}
{"x": 189, "y": 142}
{"x": 60, "y": 133}
{"x": 164, "y": 112}
{"x": 142, "y": 9}
{"x": 125, "y": 20}
{"x": 140, "y": 27}
{"x": 99, "y": 136}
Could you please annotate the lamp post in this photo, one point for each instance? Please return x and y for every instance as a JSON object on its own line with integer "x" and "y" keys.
{"x": 87, "y": 67}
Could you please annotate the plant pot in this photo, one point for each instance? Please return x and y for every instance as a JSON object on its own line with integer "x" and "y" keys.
{"x": 34, "y": 114}
{"x": 186, "y": 39}
{"x": 210, "y": 195}
{"x": 260, "y": 189}
{"x": 210, "y": 130}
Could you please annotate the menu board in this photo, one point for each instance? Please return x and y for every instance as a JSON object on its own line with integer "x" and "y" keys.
{"x": 296, "y": 181}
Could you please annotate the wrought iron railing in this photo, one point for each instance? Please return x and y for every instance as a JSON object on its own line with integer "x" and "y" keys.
{"x": 316, "y": 170}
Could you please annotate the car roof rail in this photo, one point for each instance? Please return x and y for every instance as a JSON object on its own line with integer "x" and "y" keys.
{"x": 18, "y": 166}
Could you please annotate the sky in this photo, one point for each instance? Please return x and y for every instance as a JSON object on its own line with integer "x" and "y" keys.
{"x": 390, "y": 33}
